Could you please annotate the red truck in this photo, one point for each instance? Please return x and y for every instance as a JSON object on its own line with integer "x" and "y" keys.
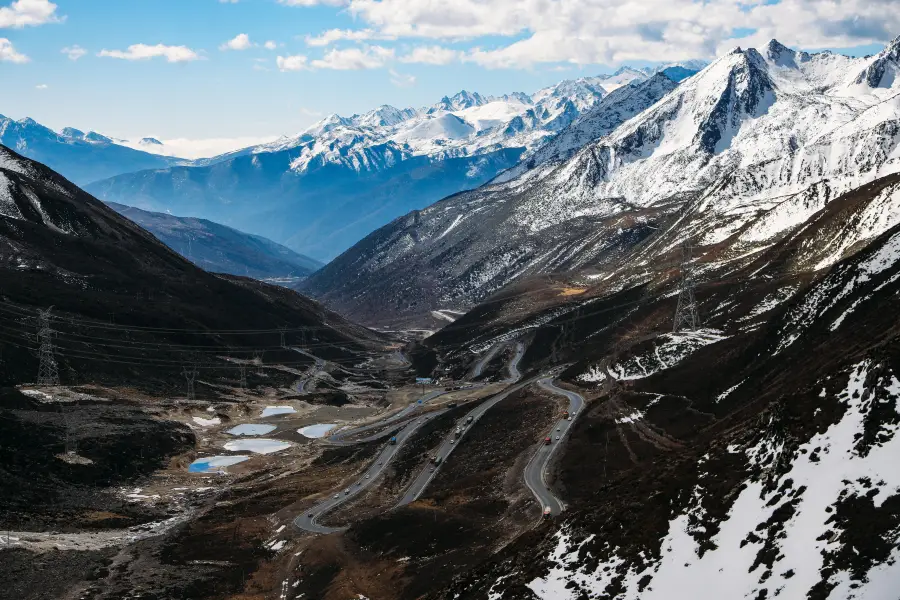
{"x": 547, "y": 441}
{"x": 566, "y": 415}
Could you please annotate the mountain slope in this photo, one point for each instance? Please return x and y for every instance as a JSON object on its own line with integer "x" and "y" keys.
{"x": 221, "y": 249}
{"x": 739, "y": 154}
{"x": 372, "y": 167}
{"x": 126, "y": 308}
{"x": 295, "y": 211}
{"x": 80, "y": 157}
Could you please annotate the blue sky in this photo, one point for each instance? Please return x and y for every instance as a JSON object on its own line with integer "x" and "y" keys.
{"x": 403, "y": 52}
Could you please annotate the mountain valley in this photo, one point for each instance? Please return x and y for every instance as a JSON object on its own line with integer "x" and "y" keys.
{"x": 631, "y": 337}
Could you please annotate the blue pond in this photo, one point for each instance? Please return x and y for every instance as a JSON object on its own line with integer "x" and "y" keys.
{"x": 211, "y": 464}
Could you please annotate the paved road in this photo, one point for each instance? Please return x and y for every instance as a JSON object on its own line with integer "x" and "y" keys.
{"x": 484, "y": 360}
{"x": 313, "y": 373}
{"x": 450, "y": 443}
{"x": 514, "y": 374}
{"x": 367, "y": 479}
{"x": 536, "y": 469}
{"x": 339, "y": 436}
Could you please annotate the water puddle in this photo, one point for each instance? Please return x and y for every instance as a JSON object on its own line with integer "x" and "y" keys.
{"x": 271, "y": 411}
{"x": 211, "y": 464}
{"x": 251, "y": 429}
{"x": 259, "y": 446}
{"x": 317, "y": 431}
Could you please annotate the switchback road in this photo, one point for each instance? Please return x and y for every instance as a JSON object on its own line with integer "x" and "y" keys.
{"x": 308, "y": 520}
{"x": 536, "y": 469}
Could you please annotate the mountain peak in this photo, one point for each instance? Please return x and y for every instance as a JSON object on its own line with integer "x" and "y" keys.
{"x": 776, "y": 48}
{"x": 71, "y": 132}
{"x": 151, "y": 141}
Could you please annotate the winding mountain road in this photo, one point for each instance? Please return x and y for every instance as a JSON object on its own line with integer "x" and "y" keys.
{"x": 451, "y": 441}
{"x": 308, "y": 520}
{"x": 536, "y": 469}
{"x": 339, "y": 436}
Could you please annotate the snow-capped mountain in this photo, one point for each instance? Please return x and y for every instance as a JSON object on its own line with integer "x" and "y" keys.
{"x": 738, "y": 155}
{"x": 372, "y": 167}
{"x": 81, "y": 157}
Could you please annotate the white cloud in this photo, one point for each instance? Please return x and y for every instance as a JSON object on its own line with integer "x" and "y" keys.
{"x": 431, "y": 55}
{"x": 8, "y": 53}
{"x": 354, "y": 59}
{"x": 198, "y": 148}
{"x": 41, "y": 86}
{"x": 172, "y": 54}
{"x": 313, "y": 2}
{"x": 292, "y": 63}
{"x": 309, "y": 112}
{"x": 24, "y": 13}
{"x": 270, "y": 45}
{"x": 610, "y": 32}
{"x": 239, "y": 42}
{"x": 356, "y": 35}
{"x": 74, "y": 52}
{"x": 402, "y": 79}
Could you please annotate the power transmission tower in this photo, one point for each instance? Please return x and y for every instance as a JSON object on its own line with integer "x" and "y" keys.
{"x": 687, "y": 315}
{"x": 258, "y": 359}
{"x": 48, "y": 370}
{"x": 281, "y": 331}
{"x": 303, "y": 338}
{"x": 243, "y": 369}
{"x": 190, "y": 374}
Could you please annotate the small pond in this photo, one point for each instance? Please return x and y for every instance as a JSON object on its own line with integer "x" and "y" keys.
{"x": 211, "y": 464}
{"x": 317, "y": 431}
{"x": 251, "y": 429}
{"x": 259, "y": 446}
{"x": 271, "y": 411}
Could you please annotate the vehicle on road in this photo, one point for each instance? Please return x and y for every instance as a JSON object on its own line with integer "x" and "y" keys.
{"x": 347, "y": 492}
{"x": 393, "y": 442}
{"x": 432, "y": 470}
{"x": 469, "y": 420}
{"x": 451, "y": 405}
{"x": 458, "y": 432}
{"x": 451, "y": 442}
{"x": 337, "y": 496}
{"x": 559, "y": 428}
{"x": 547, "y": 441}
{"x": 437, "y": 460}
{"x": 566, "y": 415}
{"x": 557, "y": 438}
{"x": 310, "y": 515}
{"x": 547, "y": 511}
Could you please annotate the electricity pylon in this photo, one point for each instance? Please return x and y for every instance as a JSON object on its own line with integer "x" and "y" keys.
{"x": 48, "y": 370}
{"x": 687, "y": 316}
{"x": 190, "y": 374}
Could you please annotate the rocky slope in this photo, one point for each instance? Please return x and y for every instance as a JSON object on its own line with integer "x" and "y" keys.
{"x": 81, "y": 157}
{"x": 127, "y": 308}
{"x": 221, "y": 249}
{"x": 701, "y": 456}
{"x": 739, "y": 154}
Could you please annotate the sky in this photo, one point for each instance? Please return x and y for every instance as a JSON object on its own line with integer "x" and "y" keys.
{"x": 213, "y": 75}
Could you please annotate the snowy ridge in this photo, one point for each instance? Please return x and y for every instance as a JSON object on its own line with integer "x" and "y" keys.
{"x": 788, "y": 519}
{"x": 739, "y": 155}
{"x": 466, "y": 124}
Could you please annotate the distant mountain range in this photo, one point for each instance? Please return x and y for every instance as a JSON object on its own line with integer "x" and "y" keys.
{"x": 738, "y": 155}
{"x": 220, "y": 249}
{"x": 324, "y": 189}
{"x": 80, "y": 157}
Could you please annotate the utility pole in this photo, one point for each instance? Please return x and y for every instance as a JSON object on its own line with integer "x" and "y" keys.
{"x": 48, "y": 370}
{"x": 686, "y": 314}
{"x": 243, "y": 369}
{"x": 190, "y": 374}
